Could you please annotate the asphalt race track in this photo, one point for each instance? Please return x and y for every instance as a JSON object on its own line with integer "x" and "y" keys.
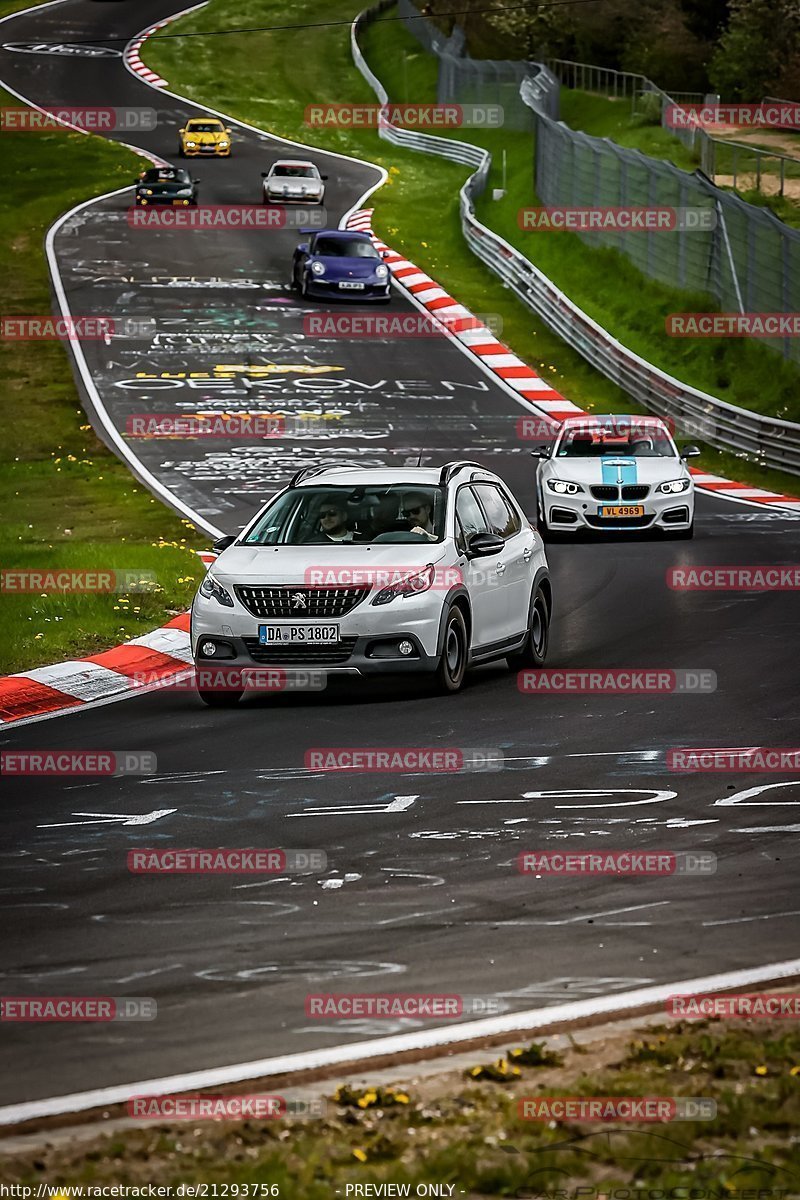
{"x": 420, "y": 893}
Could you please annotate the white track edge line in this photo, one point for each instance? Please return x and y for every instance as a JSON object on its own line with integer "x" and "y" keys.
{"x": 361, "y": 1052}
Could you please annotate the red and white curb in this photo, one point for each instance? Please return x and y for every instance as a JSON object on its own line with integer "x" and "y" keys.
{"x": 477, "y": 338}
{"x": 538, "y": 393}
{"x": 131, "y": 54}
{"x": 729, "y": 489}
{"x": 66, "y": 686}
{"x": 132, "y": 60}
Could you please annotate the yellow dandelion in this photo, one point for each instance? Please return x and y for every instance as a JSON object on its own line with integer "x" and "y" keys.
{"x": 360, "y": 1155}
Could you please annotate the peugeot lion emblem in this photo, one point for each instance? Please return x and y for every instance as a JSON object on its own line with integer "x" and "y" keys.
{"x": 299, "y": 600}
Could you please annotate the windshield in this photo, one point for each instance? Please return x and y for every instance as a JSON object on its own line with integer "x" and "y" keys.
{"x": 166, "y": 175}
{"x": 296, "y": 172}
{"x": 204, "y": 127}
{"x": 343, "y": 248}
{"x": 645, "y": 439}
{"x": 402, "y": 513}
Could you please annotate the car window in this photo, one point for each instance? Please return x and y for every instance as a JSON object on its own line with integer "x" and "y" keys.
{"x": 295, "y": 172}
{"x": 408, "y": 514}
{"x": 344, "y": 248}
{"x": 469, "y": 516}
{"x": 204, "y": 127}
{"x": 500, "y": 516}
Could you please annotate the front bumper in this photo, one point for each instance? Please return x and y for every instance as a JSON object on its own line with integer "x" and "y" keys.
{"x": 369, "y": 636}
{"x": 324, "y": 289}
{"x": 580, "y": 513}
{"x": 206, "y": 152}
{"x": 366, "y": 655}
{"x": 271, "y": 198}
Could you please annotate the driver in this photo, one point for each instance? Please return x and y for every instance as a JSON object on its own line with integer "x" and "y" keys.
{"x": 417, "y": 508}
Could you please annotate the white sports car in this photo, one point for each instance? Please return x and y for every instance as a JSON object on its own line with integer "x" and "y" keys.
{"x": 290, "y": 181}
{"x": 617, "y": 473}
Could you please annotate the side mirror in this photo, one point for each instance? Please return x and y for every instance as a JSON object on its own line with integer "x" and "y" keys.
{"x": 264, "y": 174}
{"x": 182, "y": 130}
{"x": 195, "y": 181}
{"x": 384, "y": 253}
{"x": 483, "y": 545}
{"x": 222, "y": 543}
{"x": 227, "y": 133}
{"x": 302, "y": 248}
{"x": 540, "y": 452}
{"x": 323, "y": 177}
{"x": 690, "y": 452}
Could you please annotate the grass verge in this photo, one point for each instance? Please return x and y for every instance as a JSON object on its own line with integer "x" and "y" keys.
{"x": 466, "y": 1131}
{"x": 259, "y": 78}
{"x": 68, "y": 503}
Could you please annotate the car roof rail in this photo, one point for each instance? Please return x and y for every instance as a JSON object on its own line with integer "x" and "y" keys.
{"x": 321, "y": 468}
{"x": 452, "y": 468}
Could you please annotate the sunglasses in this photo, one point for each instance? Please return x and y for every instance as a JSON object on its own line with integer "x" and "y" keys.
{"x": 329, "y": 512}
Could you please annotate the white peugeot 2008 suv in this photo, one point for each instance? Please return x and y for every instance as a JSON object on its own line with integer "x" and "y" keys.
{"x": 378, "y": 570}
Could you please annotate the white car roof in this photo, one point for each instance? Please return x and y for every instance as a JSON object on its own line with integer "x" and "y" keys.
{"x": 293, "y": 162}
{"x": 642, "y": 419}
{"x": 385, "y": 476}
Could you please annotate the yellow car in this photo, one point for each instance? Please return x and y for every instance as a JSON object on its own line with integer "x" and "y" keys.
{"x": 205, "y": 137}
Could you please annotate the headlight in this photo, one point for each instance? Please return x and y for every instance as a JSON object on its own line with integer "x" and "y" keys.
{"x": 145, "y": 191}
{"x": 224, "y": 145}
{"x": 381, "y": 271}
{"x": 563, "y": 487}
{"x": 185, "y": 192}
{"x": 191, "y": 144}
{"x": 318, "y": 268}
{"x": 412, "y": 585}
{"x": 674, "y": 485}
{"x": 210, "y": 588}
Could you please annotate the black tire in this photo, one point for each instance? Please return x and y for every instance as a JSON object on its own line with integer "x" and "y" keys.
{"x": 544, "y": 531}
{"x": 304, "y": 287}
{"x": 534, "y": 652}
{"x": 455, "y": 652}
{"x": 215, "y": 699}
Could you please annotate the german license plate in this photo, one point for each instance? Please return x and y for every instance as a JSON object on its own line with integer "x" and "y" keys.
{"x": 298, "y": 635}
{"x": 620, "y": 510}
{"x": 354, "y": 287}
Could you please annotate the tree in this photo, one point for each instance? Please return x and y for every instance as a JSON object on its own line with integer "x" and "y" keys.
{"x": 759, "y": 53}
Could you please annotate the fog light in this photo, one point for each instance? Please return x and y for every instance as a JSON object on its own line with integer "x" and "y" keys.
{"x": 208, "y": 649}
{"x": 406, "y": 648}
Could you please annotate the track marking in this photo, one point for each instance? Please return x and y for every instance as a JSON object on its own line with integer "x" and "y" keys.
{"x": 358, "y": 1054}
{"x": 399, "y": 804}
{"x": 110, "y": 819}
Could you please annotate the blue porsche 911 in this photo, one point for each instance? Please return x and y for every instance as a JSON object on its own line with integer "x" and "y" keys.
{"x": 340, "y": 262}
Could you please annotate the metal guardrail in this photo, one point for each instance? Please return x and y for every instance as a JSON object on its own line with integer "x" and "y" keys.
{"x": 773, "y": 442}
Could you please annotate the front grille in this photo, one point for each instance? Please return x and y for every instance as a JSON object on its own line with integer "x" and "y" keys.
{"x": 308, "y": 656}
{"x": 635, "y": 491}
{"x": 300, "y": 602}
{"x": 618, "y": 522}
{"x": 605, "y": 492}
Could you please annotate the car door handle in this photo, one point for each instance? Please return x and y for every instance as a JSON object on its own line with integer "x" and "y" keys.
{"x": 500, "y": 568}
{"x": 527, "y": 554}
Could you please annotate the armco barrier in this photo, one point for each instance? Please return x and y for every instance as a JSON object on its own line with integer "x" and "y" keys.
{"x": 773, "y": 442}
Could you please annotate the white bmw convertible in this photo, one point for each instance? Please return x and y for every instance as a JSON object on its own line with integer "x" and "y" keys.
{"x": 614, "y": 473}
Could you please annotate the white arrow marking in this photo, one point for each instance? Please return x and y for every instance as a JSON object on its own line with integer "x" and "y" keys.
{"x": 109, "y": 819}
{"x": 655, "y": 796}
{"x": 399, "y": 804}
